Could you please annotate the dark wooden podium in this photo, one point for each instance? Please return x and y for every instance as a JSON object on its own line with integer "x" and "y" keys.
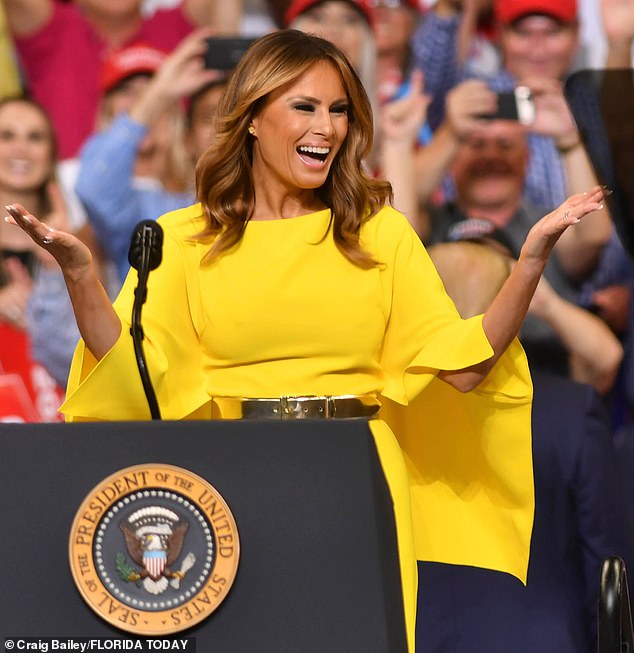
{"x": 318, "y": 569}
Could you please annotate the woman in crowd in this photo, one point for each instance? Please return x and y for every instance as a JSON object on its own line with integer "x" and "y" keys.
{"x": 294, "y": 277}
{"x": 27, "y": 273}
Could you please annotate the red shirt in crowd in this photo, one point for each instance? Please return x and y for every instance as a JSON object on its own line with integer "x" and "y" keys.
{"x": 62, "y": 64}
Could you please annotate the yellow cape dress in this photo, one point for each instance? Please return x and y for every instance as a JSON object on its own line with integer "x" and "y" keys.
{"x": 285, "y": 313}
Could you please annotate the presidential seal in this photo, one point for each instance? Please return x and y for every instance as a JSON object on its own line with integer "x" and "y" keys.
{"x": 154, "y": 549}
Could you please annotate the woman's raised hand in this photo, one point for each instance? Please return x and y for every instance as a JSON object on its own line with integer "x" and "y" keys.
{"x": 544, "y": 234}
{"x": 98, "y": 323}
{"x": 73, "y": 256}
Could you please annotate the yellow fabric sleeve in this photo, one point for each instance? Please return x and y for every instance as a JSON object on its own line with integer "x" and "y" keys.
{"x": 468, "y": 455}
{"x": 171, "y": 341}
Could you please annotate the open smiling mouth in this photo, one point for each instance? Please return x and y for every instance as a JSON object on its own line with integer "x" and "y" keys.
{"x": 311, "y": 152}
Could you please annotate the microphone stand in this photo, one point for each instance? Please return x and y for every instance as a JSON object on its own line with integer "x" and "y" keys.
{"x": 136, "y": 330}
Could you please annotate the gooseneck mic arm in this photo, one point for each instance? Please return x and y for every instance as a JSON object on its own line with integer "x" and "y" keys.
{"x": 145, "y": 254}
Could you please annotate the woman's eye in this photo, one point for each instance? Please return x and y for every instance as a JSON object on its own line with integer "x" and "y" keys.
{"x": 340, "y": 109}
{"x": 304, "y": 107}
{"x": 37, "y": 137}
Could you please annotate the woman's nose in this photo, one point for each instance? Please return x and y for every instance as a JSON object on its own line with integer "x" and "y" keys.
{"x": 323, "y": 123}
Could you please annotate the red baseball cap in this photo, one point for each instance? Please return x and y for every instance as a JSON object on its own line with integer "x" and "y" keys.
{"x": 507, "y": 11}
{"x": 130, "y": 61}
{"x": 298, "y": 7}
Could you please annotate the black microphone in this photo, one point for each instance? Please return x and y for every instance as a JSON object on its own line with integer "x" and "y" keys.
{"x": 148, "y": 234}
{"x": 145, "y": 254}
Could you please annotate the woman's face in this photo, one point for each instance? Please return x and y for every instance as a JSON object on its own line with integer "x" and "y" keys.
{"x": 340, "y": 23}
{"x": 26, "y": 148}
{"x": 395, "y": 23}
{"x": 300, "y": 130}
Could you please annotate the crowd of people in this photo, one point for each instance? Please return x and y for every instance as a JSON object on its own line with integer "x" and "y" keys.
{"x": 106, "y": 109}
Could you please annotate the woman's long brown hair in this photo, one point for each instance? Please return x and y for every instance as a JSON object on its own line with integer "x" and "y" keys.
{"x": 224, "y": 178}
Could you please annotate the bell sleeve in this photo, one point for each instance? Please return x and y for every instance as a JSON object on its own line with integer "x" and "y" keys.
{"x": 111, "y": 388}
{"x": 468, "y": 455}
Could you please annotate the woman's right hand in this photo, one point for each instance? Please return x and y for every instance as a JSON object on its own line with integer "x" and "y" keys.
{"x": 98, "y": 323}
{"x": 73, "y": 256}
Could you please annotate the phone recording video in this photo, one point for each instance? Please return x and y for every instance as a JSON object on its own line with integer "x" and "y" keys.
{"x": 224, "y": 53}
{"x": 515, "y": 105}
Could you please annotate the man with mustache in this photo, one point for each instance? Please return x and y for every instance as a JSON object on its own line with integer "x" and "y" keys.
{"x": 489, "y": 172}
{"x": 537, "y": 40}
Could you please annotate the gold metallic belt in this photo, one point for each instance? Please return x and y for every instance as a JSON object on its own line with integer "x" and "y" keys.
{"x": 309, "y": 407}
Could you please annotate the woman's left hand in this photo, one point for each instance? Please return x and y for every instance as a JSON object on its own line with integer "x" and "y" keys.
{"x": 545, "y": 233}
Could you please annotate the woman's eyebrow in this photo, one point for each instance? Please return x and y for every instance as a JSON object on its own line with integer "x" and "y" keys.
{"x": 314, "y": 100}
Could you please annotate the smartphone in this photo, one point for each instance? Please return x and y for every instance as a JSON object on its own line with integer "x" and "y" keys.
{"x": 515, "y": 105}
{"x": 224, "y": 53}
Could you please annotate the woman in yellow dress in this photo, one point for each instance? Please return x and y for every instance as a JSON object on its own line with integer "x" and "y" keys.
{"x": 294, "y": 277}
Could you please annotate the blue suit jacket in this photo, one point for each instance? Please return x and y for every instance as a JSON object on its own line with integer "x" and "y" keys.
{"x": 463, "y": 609}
